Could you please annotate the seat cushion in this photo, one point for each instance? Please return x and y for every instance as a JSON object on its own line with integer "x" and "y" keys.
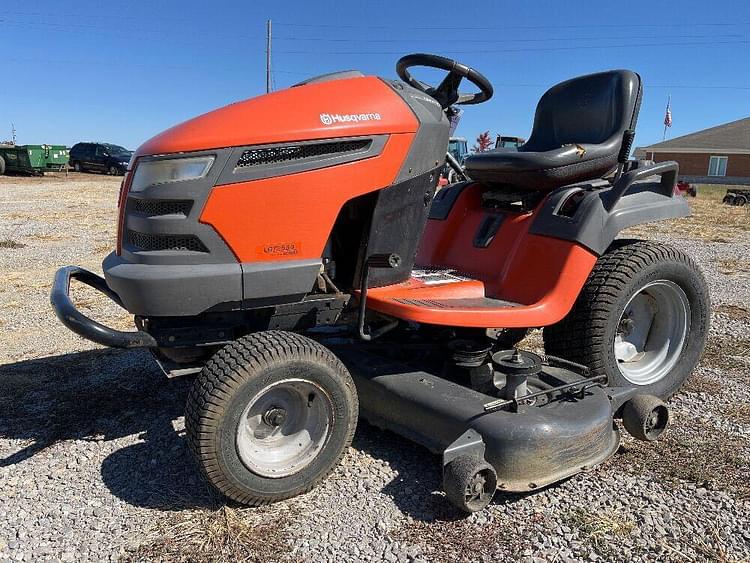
{"x": 546, "y": 170}
{"x": 580, "y": 129}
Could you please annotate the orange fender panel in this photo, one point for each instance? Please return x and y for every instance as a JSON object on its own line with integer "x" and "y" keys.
{"x": 291, "y": 217}
{"x": 541, "y": 275}
{"x": 560, "y": 279}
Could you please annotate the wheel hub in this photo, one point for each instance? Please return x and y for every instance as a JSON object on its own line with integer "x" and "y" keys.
{"x": 275, "y": 416}
{"x": 651, "y": 332}
{"x": 284, "y": 427}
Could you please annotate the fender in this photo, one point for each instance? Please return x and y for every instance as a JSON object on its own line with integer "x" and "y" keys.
{"x": 603, "y": 212}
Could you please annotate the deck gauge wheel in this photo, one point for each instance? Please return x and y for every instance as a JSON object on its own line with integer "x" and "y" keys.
{"x": 469, "y": 483}
{"x": 645, "y": 417}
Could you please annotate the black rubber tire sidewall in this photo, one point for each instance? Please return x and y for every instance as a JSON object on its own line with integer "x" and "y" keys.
{"x": 694, "y": 287}
{"x": 239, "y": 475}
{"x": 2, "y": 166}
{"x": 229, "y": 380}
{"x": 586, "y": 335}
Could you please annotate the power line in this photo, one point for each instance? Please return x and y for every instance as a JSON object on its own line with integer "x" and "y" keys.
{"x": 499, "y": 41}
{"x": 528, "y": 49}
{"x": 504, "y": 27}
{"x": 539, "y": 85}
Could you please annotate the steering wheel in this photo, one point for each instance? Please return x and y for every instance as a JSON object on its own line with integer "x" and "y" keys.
{"x": 446, "y": 93}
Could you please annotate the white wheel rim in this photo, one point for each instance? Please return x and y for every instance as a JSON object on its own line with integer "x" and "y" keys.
{"x": 651, "y": 332}
{"x": 284, "y": 427}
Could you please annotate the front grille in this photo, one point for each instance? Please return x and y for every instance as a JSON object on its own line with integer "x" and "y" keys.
{"x": 286, "y": 153}
{"x": 154, "y": 207}
{"x": 144, "y": 241}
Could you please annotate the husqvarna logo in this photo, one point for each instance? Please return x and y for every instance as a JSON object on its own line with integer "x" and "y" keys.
{"x": 331, "y": 118}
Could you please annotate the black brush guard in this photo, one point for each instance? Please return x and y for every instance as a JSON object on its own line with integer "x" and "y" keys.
{"x": 79, "y": 323}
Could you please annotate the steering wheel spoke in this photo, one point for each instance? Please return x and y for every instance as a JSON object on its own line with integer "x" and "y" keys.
{"x": 446, "y": 93}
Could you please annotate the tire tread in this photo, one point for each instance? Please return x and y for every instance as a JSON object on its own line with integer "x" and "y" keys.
{"x": 223, "y": 375}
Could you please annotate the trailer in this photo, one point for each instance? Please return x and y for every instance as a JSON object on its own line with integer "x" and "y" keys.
{"x": 738, "y": 197}
{"x": 33, "y": 159}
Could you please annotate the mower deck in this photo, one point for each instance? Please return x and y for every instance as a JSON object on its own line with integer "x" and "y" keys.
{"x": 529, "y": 446}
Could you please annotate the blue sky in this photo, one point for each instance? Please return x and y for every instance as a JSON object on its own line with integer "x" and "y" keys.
{"x": 121, "y": 72}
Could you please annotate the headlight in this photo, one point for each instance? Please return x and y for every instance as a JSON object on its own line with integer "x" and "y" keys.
{"x": 154, "y": 172}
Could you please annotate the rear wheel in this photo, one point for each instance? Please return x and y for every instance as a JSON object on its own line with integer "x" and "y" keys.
{"x": 641, "y": 319}
{"x": 2, "y": 166}
{"x": 77, "y": 167}
{"x": 270, "y": 416}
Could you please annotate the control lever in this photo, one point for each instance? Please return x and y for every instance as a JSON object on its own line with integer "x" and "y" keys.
{"x": 391, "y": 260}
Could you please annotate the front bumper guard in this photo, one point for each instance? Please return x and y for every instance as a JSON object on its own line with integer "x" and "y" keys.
{"x": 84, "y": 326}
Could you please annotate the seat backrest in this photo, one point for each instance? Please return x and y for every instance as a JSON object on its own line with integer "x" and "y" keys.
{"x": 593, "y": 109}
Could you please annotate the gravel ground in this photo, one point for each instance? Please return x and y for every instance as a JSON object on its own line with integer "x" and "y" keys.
{"x": 94, "y": 465}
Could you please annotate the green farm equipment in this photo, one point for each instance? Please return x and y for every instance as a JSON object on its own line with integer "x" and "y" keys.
{"x": 33, "y": 159}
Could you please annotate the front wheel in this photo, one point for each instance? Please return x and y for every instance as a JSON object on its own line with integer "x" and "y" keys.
{"x": 641, "y": 319}
{"x": 270, "y": 416}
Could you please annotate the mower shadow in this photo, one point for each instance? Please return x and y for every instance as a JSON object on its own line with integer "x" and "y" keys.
{"x": 416, "y": 491}
{"x": 104, "y": 395}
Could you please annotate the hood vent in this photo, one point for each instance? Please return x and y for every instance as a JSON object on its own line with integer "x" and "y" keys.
{"x": 156, "y": 207}
{"x": 289, "y": 153}
{"x": 152, "y": 242}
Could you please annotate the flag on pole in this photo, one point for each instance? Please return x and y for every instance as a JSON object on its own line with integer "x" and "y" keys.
{"x": 668, "y": 114}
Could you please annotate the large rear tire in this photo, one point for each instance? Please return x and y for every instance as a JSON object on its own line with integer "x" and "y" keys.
{"x": 641, "y": 319}
{"x": 2, "y": 166}
{"x": 270, "y": 416}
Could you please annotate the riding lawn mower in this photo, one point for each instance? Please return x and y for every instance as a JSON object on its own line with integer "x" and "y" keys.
{"x": 290, "y": 252}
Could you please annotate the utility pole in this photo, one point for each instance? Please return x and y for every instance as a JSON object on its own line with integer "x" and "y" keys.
{"x": 268, "y": 56}
{"x": 13, "y": 133}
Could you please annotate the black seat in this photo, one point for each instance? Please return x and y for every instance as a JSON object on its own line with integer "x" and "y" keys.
{"x": 578, "y": 135}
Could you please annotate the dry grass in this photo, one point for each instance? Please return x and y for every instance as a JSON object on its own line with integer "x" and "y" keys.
{"x": 734, "y": 312}
{"x": 726, "y": 352}
{"x": 105, "y": 247}
{"x": 447, "y": 539}
{"x": 691, "y": 451}
{"x": 47, "y": 237}
{"x": 600, "y": 528}
{"x": 698, "y": 383}
{"x": 711, "y": 220}
{"x": 223, "y": 535}
{"x": 733, "y": 266}
{"x": 11, "y": 244}
{"x": 738, "y": 412}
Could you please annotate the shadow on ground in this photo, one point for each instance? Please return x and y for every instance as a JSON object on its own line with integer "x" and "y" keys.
{"x": 417, "y": 488}
{"x": 104, "y": 395}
